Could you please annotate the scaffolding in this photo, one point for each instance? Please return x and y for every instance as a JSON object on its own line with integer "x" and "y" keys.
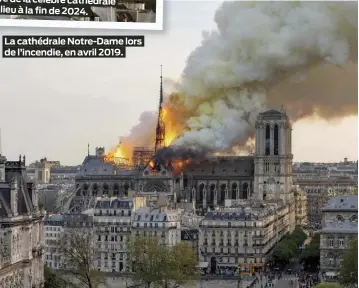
{"x": 142, "y": 155}
{"x": 119, "y": 161}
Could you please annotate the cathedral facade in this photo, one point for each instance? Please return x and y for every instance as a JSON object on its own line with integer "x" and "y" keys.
{"x": 21, "y": 228}
{"x": 265, "y": 175}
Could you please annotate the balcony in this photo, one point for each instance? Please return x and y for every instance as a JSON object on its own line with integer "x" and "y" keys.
{"x": 258, "y": 237}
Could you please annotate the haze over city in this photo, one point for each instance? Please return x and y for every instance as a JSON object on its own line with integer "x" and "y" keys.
{"x": 55, "y": 107}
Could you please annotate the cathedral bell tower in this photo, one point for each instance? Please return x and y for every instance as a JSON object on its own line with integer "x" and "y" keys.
{"x": 273, "y": 157}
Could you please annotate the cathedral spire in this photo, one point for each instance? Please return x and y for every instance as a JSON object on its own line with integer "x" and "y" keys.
{"x": 161, "y": 89}
{"x": 160, "y": 129}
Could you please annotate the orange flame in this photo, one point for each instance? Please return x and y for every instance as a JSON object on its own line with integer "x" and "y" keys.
{"x": 152, "y": 164}
{"x": 171, "y": 115}
{"x": 172, "y": 128}
{"x": 121, "y": 154}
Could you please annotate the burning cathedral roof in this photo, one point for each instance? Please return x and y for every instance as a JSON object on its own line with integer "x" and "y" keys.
{"x": 96, "y": 165}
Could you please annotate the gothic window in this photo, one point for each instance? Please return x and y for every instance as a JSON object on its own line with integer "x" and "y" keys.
{"x": 105, "y": 188}
{"x": 276, "y": 139}
{"x": 267, "y": 141}
{"x": 245, "y": 191}
{"x": 234, "y": 190}
{"x": 201, "y": 188}
{"x": 126, "y": 187}
{"x": 94, "y": 189}
{"x": 116, "y": 189}
{"x": 223, "y": 192}
{"x": 211, "y": 194}
{"x": 155, "y": 186}
{"x": 85, "y": 188}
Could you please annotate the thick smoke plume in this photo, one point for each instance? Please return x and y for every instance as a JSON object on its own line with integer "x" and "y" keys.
{"x": 302, "y": 55}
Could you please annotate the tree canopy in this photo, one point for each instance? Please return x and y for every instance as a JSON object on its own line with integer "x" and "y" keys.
{"x": 288, "y": 247}
{"x": 51, "y": 279}
{"x": 310, "y": 255}
{"x": 348, "y": 275}
{"x": 78, "y": 258}
{"x": 159, "y": 265}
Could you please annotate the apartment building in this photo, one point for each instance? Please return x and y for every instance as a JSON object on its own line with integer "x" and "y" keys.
{"x": 158, "y": 222}
{"x": 53, "y": 230}
{"x": 190, "y": 237}
{"x": 112, "y": 228}
{"x": 242, "y": 237}
{"x": 340, "y": 226}
{"x": 301, "y": 204}
{"x": 316, "y": 198}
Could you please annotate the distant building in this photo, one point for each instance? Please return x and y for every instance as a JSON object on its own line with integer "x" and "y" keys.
{"x": 53, "y": 231}
{"x": 340, "y": 226}
{"x": 45, "y": 172}
{"x": 112, "y": 224}
{"x": 242, "y": 237}
{"x": 316, "y": 198}
{"x": 301, "y": 204}
{"x": 190, "y": 237}
{"x": 324, "y": 180}
{"x": 21, "y": 228}
{"x": 158, "y": 222}
{"x": 49, "y": 196}
{"x": 40, "y": 171}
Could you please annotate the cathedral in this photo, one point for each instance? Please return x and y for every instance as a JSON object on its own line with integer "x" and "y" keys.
{"x": 266, "y": 175}
{"x": 21, "y": 228}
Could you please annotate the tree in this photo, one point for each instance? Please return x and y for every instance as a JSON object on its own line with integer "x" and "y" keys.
{"x": 298, "y": 236}
{"x": 161, "y": 266}
{"x": 348, "y": 275}
{"x": 328, "y": 285}
{"x": 310, "y": 256}
{"x": 288, "y": 247}
{"x": 282, "y": 254}
{"x": 183, "y": 264}
{"x": 146, "y": 255}
{"x": 78, "y": 258}
{"x": 51, "y": 279}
